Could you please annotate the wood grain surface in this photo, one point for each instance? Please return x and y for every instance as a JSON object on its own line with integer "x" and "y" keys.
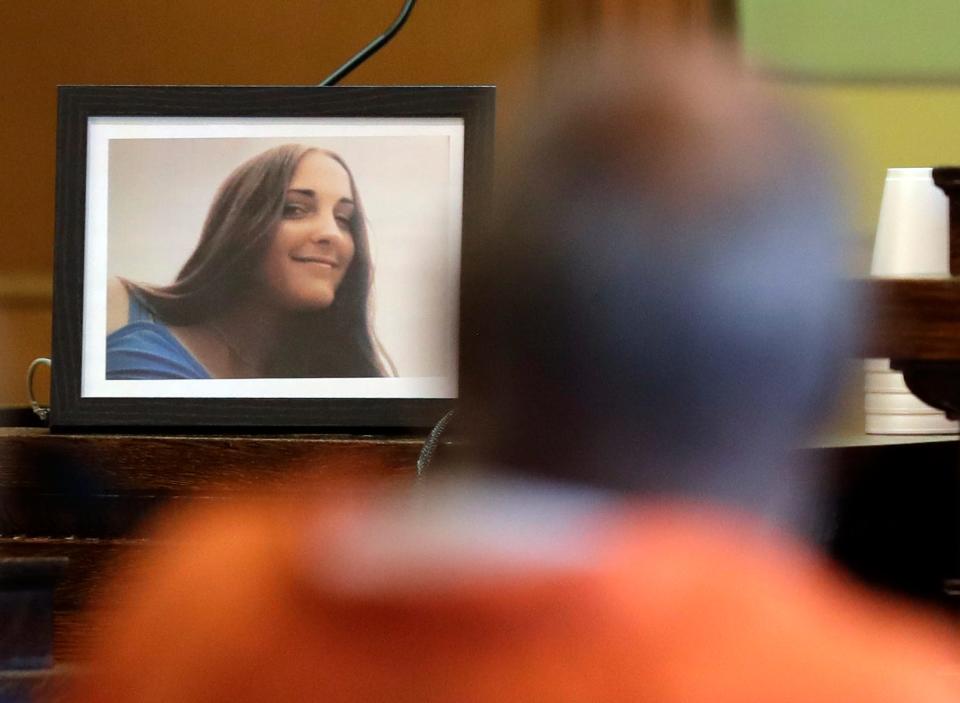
{"x": 910, "y": 318}
{"x": 35, "y": 459}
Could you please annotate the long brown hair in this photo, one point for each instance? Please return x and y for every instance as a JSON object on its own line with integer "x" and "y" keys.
{"x": 333, "y": 342}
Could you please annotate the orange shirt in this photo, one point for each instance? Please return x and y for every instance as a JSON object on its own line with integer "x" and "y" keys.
{"x": 383, "y": 601}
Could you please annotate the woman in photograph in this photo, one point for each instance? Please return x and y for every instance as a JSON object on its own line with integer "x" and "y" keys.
{"x": 277, "y": 287}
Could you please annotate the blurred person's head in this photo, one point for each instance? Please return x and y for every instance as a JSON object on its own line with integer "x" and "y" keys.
{"x": 657, "y": 305}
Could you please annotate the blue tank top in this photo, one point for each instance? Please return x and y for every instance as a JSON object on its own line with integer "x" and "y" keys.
{"x": 145, "y": 349}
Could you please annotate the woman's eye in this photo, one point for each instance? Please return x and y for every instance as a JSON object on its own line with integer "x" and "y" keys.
{"x": 294, "y": 210}
{"x": 345, "y": 222}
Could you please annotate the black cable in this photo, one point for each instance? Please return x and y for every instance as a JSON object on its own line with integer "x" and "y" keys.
{"x": 431, "y": 444}
{"x": 371, "y": 48}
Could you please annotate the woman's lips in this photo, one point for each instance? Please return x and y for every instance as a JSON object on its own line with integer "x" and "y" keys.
{"x": 319, "y": 260}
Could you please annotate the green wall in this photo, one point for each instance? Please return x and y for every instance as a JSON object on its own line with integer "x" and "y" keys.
{"x": 876, "y": 38}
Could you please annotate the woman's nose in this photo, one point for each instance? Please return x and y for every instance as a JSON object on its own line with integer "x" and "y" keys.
{"x": 325, "y": 227}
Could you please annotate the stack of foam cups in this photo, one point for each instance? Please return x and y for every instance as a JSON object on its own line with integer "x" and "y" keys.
{"x": 913, "y": 241}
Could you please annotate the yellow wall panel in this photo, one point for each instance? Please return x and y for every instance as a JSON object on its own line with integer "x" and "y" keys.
{"x": 879, "y": 126}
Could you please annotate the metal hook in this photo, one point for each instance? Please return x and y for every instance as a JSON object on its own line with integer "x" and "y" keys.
{"x": 41, "y": 411}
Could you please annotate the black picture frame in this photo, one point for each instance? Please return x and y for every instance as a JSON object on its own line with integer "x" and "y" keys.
{"x": 74, "y": 410}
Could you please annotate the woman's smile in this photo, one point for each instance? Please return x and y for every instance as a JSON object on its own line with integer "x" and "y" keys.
{"x": 322, "y": 261}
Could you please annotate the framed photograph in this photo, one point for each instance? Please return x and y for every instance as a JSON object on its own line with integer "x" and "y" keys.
{"x": 263, "y": 257}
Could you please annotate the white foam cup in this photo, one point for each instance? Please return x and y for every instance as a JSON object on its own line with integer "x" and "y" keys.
{"x": 897, "y": 404}
{"x": 913, "y": 230}
{"x": 910, "y": 424}
{"x": 885, "y": 382}
{"x": 879, "y": 365}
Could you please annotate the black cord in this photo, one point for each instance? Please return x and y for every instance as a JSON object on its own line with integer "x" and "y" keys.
{"x": 371, "y": 48}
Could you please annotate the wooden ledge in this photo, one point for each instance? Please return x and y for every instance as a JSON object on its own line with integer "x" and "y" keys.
{"x": 911, "y": 318}
{"x": 33, "y": 458}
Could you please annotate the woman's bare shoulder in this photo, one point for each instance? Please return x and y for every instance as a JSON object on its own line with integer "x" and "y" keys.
{"x": 118, "y": 305}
